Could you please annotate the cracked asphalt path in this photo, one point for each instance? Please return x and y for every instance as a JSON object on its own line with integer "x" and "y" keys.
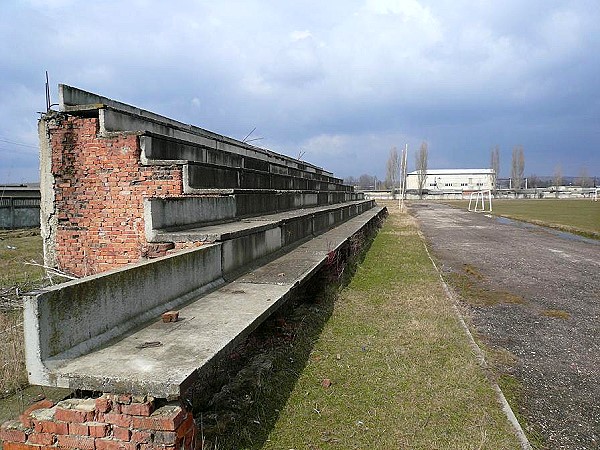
{"x": 553, "y": 332}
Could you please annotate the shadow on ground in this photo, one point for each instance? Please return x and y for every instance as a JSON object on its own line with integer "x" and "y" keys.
{"x": 238, "y": 404}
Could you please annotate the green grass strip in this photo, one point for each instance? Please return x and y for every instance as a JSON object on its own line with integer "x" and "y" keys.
{"x": 401, "y": 369}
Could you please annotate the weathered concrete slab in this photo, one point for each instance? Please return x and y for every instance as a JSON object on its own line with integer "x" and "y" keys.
{"x": 73, "y": 318}
{"x": 163, "y": 359}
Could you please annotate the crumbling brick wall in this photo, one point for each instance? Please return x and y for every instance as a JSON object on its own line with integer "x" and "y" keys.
{"x": 99, "y": 189}
{"x": 108, "y": 422}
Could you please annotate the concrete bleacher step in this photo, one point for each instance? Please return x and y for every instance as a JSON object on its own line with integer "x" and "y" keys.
{"x": 164, "y": 359}
{"x": 258, "y": 236}
{"x": 221, "y": 230}
{"x": 173, "y": 213}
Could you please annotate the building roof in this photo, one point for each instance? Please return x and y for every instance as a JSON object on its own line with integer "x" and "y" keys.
{"x": 455, "y": 171}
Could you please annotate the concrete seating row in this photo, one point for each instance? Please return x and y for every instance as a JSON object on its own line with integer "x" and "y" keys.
{"x": 104, "y": 332}
{"x": 215, "y": 168}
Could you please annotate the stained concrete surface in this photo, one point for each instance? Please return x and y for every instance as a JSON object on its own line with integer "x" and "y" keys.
{"x": 553, "y": 333}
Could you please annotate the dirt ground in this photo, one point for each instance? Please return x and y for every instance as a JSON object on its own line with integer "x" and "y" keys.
{"x": 539, "y": 305}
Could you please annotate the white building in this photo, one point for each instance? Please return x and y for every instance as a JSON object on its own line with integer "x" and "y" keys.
{"x": 452, "y": 180}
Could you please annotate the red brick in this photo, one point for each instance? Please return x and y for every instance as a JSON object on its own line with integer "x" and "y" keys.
{"x": 170, "y": 316}
{"x": 112, "y": 444}
{"x": 79, "y": 429}
{"x": 42, "y": 404}
{"x": 103, "y": 404}
{"x": 73, "y": 415}
{"x": 41, "y": 438}
{"x": 98, "y": 429}
{"x": 124, "y": 399}
{"x": 12, "y": 435}
{"x": 138, "y": 409}
{"x": 141, "y": 436}
{"x": 79, "y": 442}
{"x": 123, "y": 434}
{"x": 187, "y": 425}
{"x": 167, "y": 418}
{"x": 156, "y": 447}
{"x": 19, "y": 446}
{"x": 49, "y": 426}
{"x": 121, "y": 420}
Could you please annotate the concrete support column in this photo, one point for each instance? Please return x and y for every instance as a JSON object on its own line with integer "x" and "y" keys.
{"x": 108, "y": 422}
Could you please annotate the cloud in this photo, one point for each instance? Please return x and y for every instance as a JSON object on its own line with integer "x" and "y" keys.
{"x": 340, "y": 79}
{"x": 295, "y": 64}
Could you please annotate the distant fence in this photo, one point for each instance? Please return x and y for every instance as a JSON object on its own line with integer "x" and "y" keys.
{"x": 19, "y": 212}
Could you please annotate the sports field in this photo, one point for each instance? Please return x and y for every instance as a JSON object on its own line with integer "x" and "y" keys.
{"x": 576, "y": 216}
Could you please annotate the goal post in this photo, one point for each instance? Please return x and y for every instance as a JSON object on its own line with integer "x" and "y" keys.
{"x": 480, "y": 201}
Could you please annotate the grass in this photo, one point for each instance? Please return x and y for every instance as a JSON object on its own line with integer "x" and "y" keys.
{"x": 16, "y": 248}
{"x": 12, "y": 357}
{"x": 401, "y": 371}
{"x": 556, "y": 314}
{"x": 575, "y": 216}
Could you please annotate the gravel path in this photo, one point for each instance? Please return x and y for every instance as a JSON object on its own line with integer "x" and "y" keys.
{"x": 554, "y": 331}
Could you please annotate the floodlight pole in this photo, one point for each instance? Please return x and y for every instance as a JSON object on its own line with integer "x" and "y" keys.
{"x": 403, "y": 177}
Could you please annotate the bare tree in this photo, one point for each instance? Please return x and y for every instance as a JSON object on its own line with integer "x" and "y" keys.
{"x": 584, "y": 179}
{"x": 393, "y": 170}
{"x": 557, "y": 178}
{"x": 534, "y": 180}
{"x": 517, "y": 166}
{"x": 421, "y": 166}
{"x": 350, "y": 181}
{"x": 495, "y": 164}
{"x": 366, "y": 181}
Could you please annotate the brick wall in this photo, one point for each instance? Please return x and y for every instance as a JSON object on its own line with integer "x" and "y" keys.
{"x": 109, "y": 422}
{"x": 99, "y": 187}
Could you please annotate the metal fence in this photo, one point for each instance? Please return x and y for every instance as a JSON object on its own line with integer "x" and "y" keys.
{"x": 19, "y": 212}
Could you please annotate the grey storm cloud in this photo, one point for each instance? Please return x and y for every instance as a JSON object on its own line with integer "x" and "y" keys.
{"x": 340, "y": 82}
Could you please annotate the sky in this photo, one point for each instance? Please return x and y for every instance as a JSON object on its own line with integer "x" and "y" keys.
{"x": 338, "y": 83}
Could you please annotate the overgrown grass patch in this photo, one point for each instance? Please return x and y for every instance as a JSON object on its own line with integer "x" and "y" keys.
{"x": 401, "y": 370}
{"x": 469, "y": 284}
{"x": 17, "y": 247}
{"x": 12, "y": 357}
{"x": 556, "y": 314}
